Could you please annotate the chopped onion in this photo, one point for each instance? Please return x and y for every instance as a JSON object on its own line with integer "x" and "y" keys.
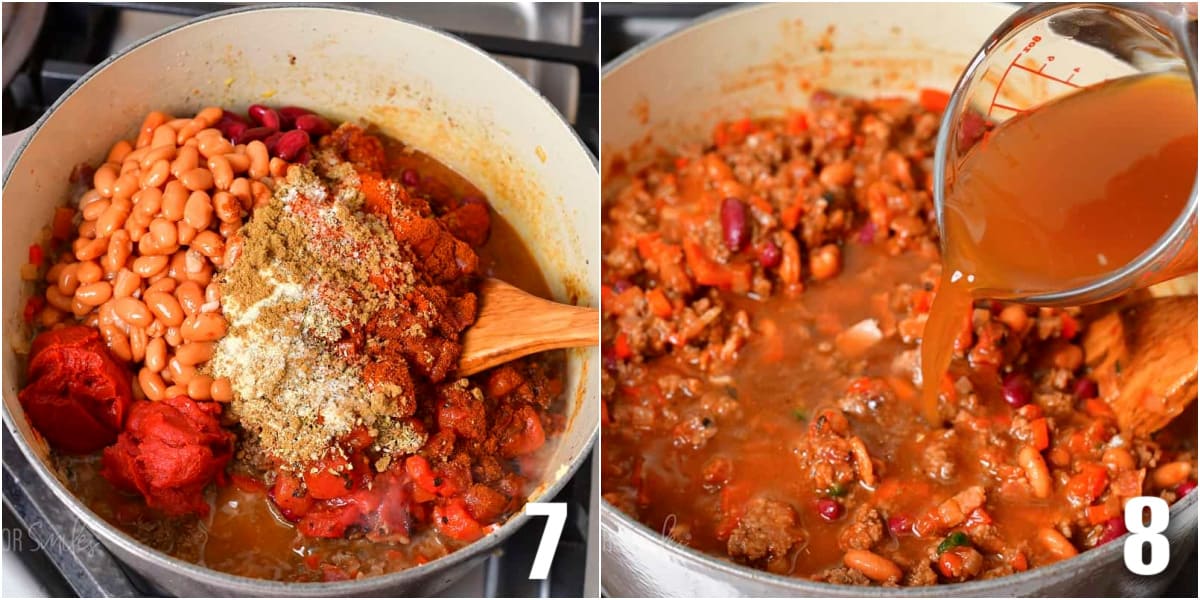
{"x": 859, "y": 338}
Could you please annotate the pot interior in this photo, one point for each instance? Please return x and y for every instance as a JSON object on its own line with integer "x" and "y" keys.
{"x": 761, "y": 61}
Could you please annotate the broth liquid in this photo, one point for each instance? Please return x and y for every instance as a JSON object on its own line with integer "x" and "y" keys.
{"x": 1059, "y": 196}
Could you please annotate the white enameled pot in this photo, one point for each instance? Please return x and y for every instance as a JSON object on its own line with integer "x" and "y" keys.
{"x": 434, "y": 91}
{"x": 761, "y": 60}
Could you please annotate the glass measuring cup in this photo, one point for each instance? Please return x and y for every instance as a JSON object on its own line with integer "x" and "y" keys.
{"x": 1045, "y": 51}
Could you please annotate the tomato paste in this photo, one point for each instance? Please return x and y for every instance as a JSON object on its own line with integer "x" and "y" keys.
{"x": 169, "y": 452}
{"x": 78, "y": 393}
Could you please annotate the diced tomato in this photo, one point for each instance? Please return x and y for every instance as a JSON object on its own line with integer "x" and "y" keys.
{"x": 607, "y": 296}
{"x": 64, "y": 223}
{"x": 1100, "y": 513}
{"x": 329, "y": 521}
{"x": 705, "y": 270}
{"x": 247, "y": 483}
{"x": 453, "y": 520}
{"x": 1030, "y": 411}
{"x": 761, "y": 204}
{"x": 1098, "y": 408}
{"x": 36, "y": 254}
{"x": 720, "y": 135}
{"x": 330, "y": 477}
{"x": 646, "y": 245}
{"x": 888, "y": 488}
{"x": 290, "y": 497}
{"x": 797, "y": 123}
{"x": 744, "y": 126}
{"x": 1019, "y": 561}
{"x": 933, "y": 100}
{"x": 33, "y": 306}
{"x": 681, "y": 163}
{"x": 1041, "y": 434}
{"x": 922, "y": 301}
{"x": 621, "y": 346}
{"x": 421, "y": 495}
{"x": 1070, "y": 327}
{"x": 358, "y": 439}
{"x": 529, "y": 438}
{"x": 1086, "y": 486}
{"x": 312, "y": 561}
{"x": 419, "y": 470}
{"x": 978, "y": 516}
{"x": 733, "y": 504}
{"x": 659, "y": 304}
{"x": 790, "y": 216}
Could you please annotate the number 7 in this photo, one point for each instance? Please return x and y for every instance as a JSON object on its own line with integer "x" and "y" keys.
{"x": 556, "y": 517}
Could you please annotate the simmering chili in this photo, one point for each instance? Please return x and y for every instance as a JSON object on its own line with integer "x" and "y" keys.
{"x": 764, "y": 297}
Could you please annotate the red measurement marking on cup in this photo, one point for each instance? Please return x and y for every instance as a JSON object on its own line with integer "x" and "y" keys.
{"x": 1039, "y": 72}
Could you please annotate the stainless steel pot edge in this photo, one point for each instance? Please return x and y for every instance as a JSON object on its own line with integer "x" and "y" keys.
{"x": 615, "y": 522}
{"x": 248, "y": 585}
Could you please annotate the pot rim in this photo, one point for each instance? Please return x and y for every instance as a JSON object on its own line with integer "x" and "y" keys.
{"x": 252, "y": 585}
{"x": 613, "y": 518}
{"x": 616, "y": 522}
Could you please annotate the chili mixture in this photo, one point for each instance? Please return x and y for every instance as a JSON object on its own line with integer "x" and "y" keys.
{"x": 765, "y": 295}
{"x": 244, "y": 346}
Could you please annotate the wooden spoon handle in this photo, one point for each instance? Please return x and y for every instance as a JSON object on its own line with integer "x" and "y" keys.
{"x": 512, "y": 323}
{"x": 1144, "y": 358}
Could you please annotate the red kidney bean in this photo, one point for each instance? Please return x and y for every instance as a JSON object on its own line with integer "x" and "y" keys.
{"x": 621, "y": 285}
{"x": 1184, "y": 488}
{"x": 251, "y": 134}
{"x": 974, "y": 125}
{"x": 1113, "y": 529}
{"x": 305, "y": 156}
{"x": 769, "y": 255}
{"x": 315, "y": 125}
{"x": 410, "y": 178}
{"x": 610, "y": 358}
{"x": 291, "y": 144}
{"x": 866, "y": 235}
{"x": 734, "y": 224}
{"x": 265, "y": 116}
{"x": 900, "y": 525}
{"x": 231, "y": 125}
{"x": 829, "y": 509}
{"x": 1086, "y": 388}
{"x": 271, "y": 141}
{"x": 234, "y": 130}
{"x": 289, "y": 116}
{"x": 1017, "y": 390}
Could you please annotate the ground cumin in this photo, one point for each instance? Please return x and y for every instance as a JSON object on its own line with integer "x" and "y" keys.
{"x": 312, "y": 265}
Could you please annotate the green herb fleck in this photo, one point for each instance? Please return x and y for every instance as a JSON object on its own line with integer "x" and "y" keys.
{"x": 836, "y": 490}
{"x": 954, "y": 540}
{"x": 800, "y": 415}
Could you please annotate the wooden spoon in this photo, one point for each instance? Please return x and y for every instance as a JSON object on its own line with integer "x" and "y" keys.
{"x": 1144, "y": 359}
{"x": 513, "y": 323}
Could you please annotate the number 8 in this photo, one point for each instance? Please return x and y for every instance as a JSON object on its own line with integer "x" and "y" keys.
{"x": 1160, "y": 551}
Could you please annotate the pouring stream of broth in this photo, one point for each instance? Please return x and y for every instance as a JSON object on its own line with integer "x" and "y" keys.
{"x": 1059, "y": 196}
